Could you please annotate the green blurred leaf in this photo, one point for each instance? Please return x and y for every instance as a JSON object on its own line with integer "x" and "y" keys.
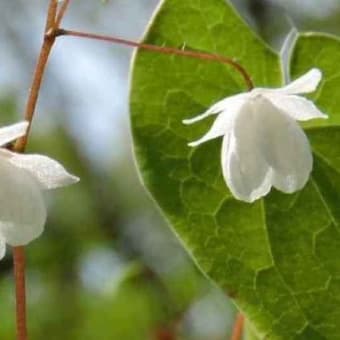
{"x": 131, "y": 313}
{"x": 278, "y": 257}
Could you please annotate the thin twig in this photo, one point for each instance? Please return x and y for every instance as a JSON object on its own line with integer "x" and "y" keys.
{"x": 51, "y": 15}
{"x": 20, "y": 145}
{"x": 61, "y": 13}
{"x": 39, "y": 71}
{"x": 238, "y": 327}
{"x": 164, "y": 50}
{"x": 19, "y": 275}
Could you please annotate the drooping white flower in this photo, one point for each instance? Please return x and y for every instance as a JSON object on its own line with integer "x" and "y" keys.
{"x": 263, "y": 145}
{"x": 22, "y": 180}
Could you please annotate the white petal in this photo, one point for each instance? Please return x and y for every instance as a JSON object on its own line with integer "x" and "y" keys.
{"x": 305, "y": 84}
{"x": 296, "y": 107}
{"x": 221, "y": 126}
{"x": 229, "y": 104}
{"x": 2, "y": 247}
{"x": 22, "y": 209}
{"x": 47, "y": 171}
{"x": 12, "y": 132}
{"x": 266, "y": 148}
{"x": 285, "y": 147}
{"x": 245, "y": 170}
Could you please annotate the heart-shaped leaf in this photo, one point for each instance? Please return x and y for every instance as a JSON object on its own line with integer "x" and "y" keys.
{"x": 277, "y": 258}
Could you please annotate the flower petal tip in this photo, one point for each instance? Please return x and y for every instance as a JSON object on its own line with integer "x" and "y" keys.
{"x": 70, "y": 179}
{"x": 187, "y": 121}
{"x": 316, "y": 71}
{"x": 192, "y": 144}
{"x": 74, "y": 179}
{"x": 66, "y": 181}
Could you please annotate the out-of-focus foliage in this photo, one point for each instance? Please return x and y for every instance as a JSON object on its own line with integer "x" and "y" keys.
{"x": 107, "y": 266}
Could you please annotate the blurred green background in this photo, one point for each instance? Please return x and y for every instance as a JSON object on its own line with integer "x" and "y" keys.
{"x": 107, "y": 266}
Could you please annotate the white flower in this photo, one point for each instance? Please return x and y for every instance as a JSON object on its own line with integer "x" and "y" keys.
{"x": 22, "y": 180}
{"x": 263, "y": 145}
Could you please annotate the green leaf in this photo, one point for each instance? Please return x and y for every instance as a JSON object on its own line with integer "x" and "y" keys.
{"x": 277, "y": 258}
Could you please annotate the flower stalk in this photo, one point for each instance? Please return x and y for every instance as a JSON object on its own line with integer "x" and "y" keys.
{"x": 19, "y": 275}
{"x": 39, "y": 71}
{"x": 164, "y": 50}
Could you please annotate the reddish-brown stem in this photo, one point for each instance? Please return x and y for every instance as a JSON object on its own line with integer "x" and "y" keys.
{"x": 238, "y": 327}
{"x": 20, "y": 145}
{"x": 164, "y": 334}
{"x": 19, "y": 275}
{"x": 61, "y": 12}
{"x": 164, "y": 50}
{"x": 39, "y": 71}
{"x": 51, "y": 14}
